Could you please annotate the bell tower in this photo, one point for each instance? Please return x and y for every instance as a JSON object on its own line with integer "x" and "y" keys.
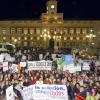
{"x": 51, "y": 7}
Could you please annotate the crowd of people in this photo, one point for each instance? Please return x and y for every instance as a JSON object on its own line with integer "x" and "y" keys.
{"x": 85, "y": 84}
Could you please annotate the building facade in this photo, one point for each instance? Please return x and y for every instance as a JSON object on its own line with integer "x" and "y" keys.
{"x": 51, "y": 30}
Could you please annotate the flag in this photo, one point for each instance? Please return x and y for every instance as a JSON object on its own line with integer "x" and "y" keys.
{"x": 78, "y": 97}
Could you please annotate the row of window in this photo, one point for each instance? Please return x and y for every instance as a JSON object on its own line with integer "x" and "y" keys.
{"x": 74, "y": 44}
{"x": 55, "y": 30}
{"x": 37, "y": 38}
{"x": 78, "y": 30}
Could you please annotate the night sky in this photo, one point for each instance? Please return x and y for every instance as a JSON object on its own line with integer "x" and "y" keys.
{"x": 32, "y": 9}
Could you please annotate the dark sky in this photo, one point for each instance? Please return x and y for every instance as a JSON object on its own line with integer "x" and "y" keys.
{"x": 32, "y": 9}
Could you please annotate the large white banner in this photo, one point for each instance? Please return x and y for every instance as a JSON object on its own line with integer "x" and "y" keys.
{"x": 10, "y": 93}
{"x": 45, "y": 92}
{"x": 39, "y": 65}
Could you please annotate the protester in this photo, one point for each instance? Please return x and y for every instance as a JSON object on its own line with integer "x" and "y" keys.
{"x": 84, "y": 85}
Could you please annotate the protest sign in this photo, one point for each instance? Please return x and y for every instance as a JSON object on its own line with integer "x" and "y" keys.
{"x": 85, "y": 66}
{"x": 45, "y": 92}
{"x": 50, "y": 92}
{"x": 5, "y": 66}
{"x": 1, "y": 58}
{"x": 40, "y": 56}
{"x": 53, "y": 56}
{"x": 67, "y": 59}
{"x": 71, "y": 68}
{"x": 39, "y": 65}
{"x": 28, "y": 93}
{"x": 14, "y": 68}
{"x": 8, "y": 58}
{"x": 10, "y": 93}
{"x": 22, "y": 64}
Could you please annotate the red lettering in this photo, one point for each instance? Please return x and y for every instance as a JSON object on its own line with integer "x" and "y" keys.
{"x": 56, "y": 93}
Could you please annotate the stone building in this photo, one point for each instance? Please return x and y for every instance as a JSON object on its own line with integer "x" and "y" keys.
{"x": 51, "y": 30}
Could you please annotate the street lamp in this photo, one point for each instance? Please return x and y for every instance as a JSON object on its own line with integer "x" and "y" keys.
{"x": 15, "y": 40}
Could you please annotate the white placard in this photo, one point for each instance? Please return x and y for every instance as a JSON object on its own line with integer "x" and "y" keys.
{"x": 40, "y": 56}
{"x": 1, "y": 58}
{"x": 5, "y": 66}
{"x": 23, "y": 58}
{"x": 54, "y": 56}
{"x": 14, "y": 68}
{"x": 72, "y": 69}
{"x": 28, "y": 93}
{"x": 10, "y": 93}
{"x": 86, "y": 66}
{"x": 39, "y": 65}
{"x": 22, "y": 64}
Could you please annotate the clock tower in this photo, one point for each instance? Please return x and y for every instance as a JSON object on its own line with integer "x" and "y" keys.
{"x": 51, "y": 15}
{"x": 52, "y": 7}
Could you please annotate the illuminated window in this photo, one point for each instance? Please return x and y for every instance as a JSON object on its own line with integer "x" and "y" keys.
{"x": 31, "y": 30}
{"x": 47, "y": 8}
{"x": 38, "y": 30}
{"x": 25, "y": 38}
{"x": 38, "y": 38}
{"x": 12, "y": 38}
{"x": 77, "y": 38}
{"x": 65, "y": 38}
{"x": 4, "y": 30}
{"x": 19, "y": 38}
{"x": 13, "y": 31}
{"x": 71, "y": 38}
{"x": 4, "y": 38}
{"x": 25, "y": 30}
{"x": 71, "y": 30}
{"x": 31, "y": 38}
{"x": 84, "y": 30}
{"x": 19, "y": 30}
{"x": 78, "y": 30}
{"x": 65, "y": 30}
